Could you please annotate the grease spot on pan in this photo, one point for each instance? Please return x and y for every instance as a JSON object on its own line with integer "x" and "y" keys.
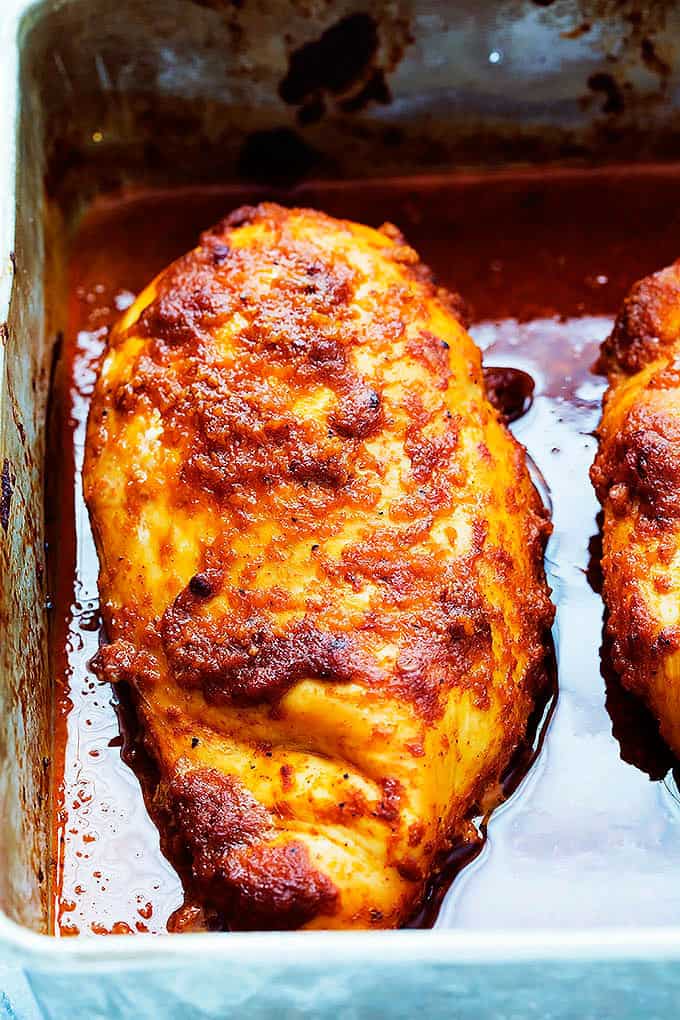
{"x": 349, "y": 62}
{"x": 333, "y": 62}
{"x": 6, "y": 490}
{"x": 609, "y": 87}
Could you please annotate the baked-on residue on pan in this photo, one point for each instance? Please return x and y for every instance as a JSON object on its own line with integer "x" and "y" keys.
{"x": 321, "y": 565}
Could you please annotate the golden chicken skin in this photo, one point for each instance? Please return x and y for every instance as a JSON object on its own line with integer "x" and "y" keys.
{"x": 637, "y": 478}
{"x": 321, "y": 566}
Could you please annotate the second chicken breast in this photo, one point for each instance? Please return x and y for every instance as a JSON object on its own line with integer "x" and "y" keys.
{"x": 637, "y": 478}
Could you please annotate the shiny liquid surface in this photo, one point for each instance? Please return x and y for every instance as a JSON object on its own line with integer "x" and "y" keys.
{"x": 587, "y": 838}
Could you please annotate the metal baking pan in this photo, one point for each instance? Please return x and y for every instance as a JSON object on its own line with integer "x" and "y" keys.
{"x": 95, "y": 94}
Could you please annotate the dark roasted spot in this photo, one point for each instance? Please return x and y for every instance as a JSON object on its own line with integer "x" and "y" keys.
{"x": 410, "y": 870}
{"x": 389, "y": 804}
{"x": 359, "y": 413}
{"x": 287, "y": 773}
{"x": 121, "y": 661}
{"x": 642, "y": 461}
{"x": 326, "y": 471}
{"x": 200, "y": 586}
{"x": 240, "y": 658}
{"x": 275, "y": 887}
{"x": 191, "y": 301}
{"x": 216, "y": 814}
{"x": 446, "y": 645}
{"x": 249, "y": 438}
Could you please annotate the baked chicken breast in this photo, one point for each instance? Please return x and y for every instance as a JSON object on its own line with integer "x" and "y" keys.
{"x": 637, "y": 478}
{"x": 321, "y": 565}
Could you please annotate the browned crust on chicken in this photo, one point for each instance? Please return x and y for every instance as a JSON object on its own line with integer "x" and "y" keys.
{"x": 647, "y": 325}
{"x": 255, "y": 885}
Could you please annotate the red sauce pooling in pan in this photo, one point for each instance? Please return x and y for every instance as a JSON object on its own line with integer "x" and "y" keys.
{"x": 543, "y": 259}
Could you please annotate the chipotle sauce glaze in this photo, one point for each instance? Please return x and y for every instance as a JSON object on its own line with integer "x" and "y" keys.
{"x": 543, "y": 259}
